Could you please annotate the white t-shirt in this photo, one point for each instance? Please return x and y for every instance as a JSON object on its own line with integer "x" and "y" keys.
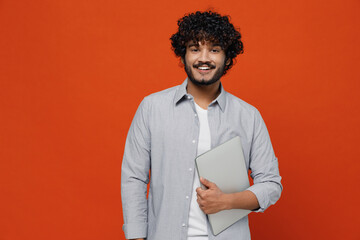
{"x": 197, "y": 227}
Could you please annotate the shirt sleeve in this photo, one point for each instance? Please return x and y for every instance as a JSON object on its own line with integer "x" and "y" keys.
{"x": 135, "y": 175}
{"x": 264, "y": 167}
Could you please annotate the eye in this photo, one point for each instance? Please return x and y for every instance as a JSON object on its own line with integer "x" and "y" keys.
{"x": 215, "y": 50}
{"x": 194, "y": 49}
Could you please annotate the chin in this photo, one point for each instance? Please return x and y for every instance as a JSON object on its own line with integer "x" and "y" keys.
{"x": 203, "y": 82}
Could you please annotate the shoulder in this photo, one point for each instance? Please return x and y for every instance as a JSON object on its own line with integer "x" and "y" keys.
{"x": 167, "y": 94}
{"x": 244, "y": 112}
{"x": 159, "y": 99}
{"x": 237, "y": 104}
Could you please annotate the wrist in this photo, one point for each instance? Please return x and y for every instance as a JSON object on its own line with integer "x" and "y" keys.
{"x": 227, "y": 201}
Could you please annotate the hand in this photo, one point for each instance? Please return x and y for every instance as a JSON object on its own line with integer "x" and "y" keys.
{"x": 211, "y": 200}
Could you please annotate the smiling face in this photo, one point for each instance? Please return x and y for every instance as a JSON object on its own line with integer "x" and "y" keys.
{"x": 204, "y": 62}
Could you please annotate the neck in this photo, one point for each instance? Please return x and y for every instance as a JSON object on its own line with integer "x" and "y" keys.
{"x": 204, "y": 94}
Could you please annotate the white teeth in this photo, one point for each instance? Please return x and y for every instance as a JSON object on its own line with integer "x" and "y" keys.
{"x": 204, "y": 68}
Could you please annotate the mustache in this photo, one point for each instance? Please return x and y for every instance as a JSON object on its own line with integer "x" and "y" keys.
{"x": 211, "y": 66}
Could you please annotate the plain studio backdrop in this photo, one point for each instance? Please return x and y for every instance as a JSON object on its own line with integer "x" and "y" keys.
{"x": 72, "y": 74}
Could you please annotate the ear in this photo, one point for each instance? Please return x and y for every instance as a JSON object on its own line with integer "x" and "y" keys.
{"x": 227, "y": 62}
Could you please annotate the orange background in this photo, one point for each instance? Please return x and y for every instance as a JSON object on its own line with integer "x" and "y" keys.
{"x": 72, "y": 74}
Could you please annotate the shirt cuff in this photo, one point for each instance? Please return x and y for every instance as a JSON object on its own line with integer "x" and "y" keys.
{"x": 258, "y": 190}
{"x": 135, "y": 230}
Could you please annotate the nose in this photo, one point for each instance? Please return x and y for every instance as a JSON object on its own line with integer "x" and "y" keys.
{"x": 204, "y": 56}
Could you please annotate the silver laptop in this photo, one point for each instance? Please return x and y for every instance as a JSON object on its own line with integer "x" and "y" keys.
{"x": 225, "y": 166}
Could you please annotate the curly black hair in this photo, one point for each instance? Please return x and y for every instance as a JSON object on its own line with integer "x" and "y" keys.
{"x": 207, "y": 26}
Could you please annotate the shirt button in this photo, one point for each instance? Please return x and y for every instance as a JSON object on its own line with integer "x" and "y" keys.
{"x": 183, "y": 225}
{"x": 190, "y": 169}
{"x": 195, "y": 115}
{"x": 188, "y": 97}
{"x": 193, "y": 141}
{"x": 187, "y": 197}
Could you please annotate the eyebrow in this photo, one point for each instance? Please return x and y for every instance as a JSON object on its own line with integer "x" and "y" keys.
{"x": 193, "y": 44}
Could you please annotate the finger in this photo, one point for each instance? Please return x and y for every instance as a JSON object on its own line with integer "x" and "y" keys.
{"x": 201, "y": 193}
{"x": 206, "y": 182}
{"x": 200, "y": 203}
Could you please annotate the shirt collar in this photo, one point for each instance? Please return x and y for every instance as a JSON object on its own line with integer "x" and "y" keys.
{"x": 181, "y": 94}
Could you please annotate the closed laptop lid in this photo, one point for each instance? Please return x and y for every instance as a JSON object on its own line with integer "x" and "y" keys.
{"x": 225, "y": 166}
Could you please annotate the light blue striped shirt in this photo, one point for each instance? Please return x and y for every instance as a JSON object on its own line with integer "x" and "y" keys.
{"x": 163, "y": 138}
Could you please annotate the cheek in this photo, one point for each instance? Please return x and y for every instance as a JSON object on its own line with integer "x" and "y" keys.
{"x": 189, "y": 60}
{"x": 221, "y": 60}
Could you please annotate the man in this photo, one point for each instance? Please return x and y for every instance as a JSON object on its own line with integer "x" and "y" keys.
{"x": 172, "y": 127}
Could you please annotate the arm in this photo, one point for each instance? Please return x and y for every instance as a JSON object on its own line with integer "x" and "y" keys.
{"x": 264, "y": 171}
{"x": 264, "y": 167}
{"x": 135, "y": 176}
{"x": 213, "y": 200}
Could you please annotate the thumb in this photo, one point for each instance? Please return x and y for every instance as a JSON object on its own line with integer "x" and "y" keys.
{"x": 206, "y": 182}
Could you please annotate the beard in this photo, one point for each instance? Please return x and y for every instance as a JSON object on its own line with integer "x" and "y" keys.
{"x": 202, "y": 82}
